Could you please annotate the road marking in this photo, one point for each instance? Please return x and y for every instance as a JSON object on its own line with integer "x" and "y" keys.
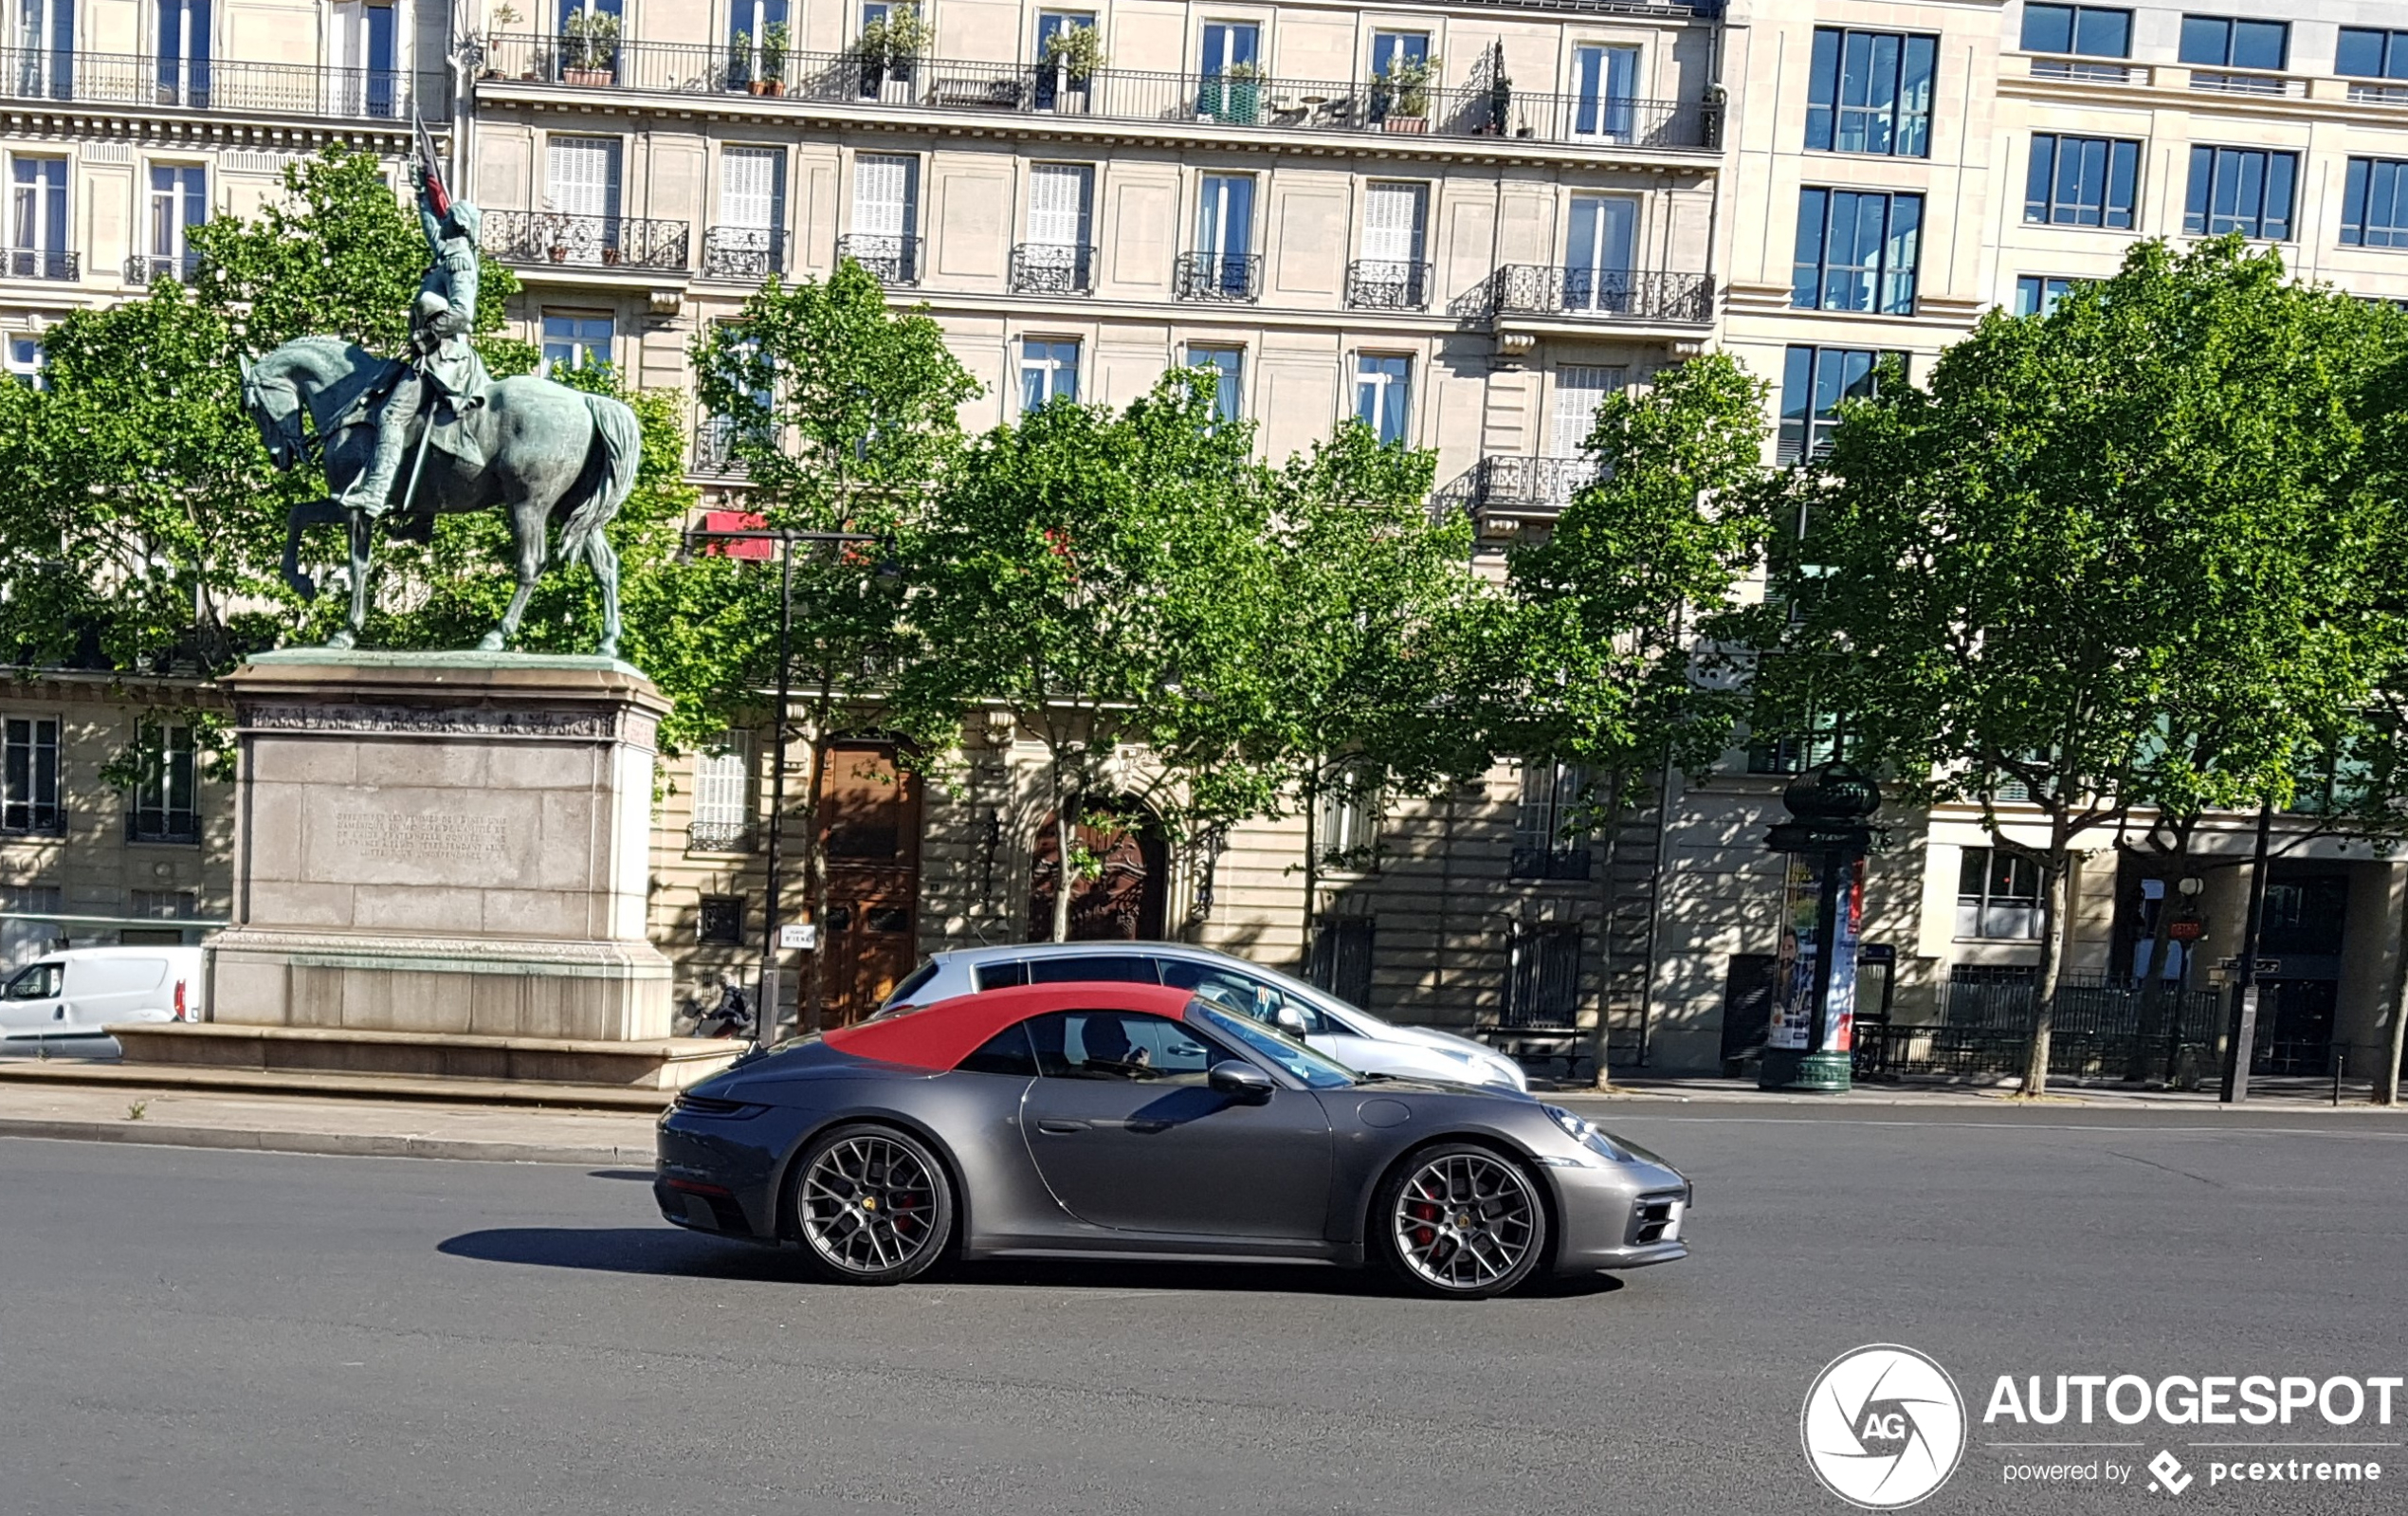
{"x": 2222, "y": 1130}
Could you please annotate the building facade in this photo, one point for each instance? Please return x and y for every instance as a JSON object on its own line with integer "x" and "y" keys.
{"x": 1465, "y": 221}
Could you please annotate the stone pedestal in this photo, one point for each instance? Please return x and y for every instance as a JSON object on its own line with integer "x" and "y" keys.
{"x": 439, "y": 853}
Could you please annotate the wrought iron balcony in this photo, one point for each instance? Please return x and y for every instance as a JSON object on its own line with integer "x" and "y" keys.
{"x": 1218, "y": 275}
{"x": 37, "y": 263}
{"x": 744, "y": 252}
{"x": 718, "y": 836}
{"x": 1052, "y": 268}
{"x": 144, "y": 268}
{"x": 715, "y": 446}
{"x": 1376, "y": 284}
{"x": 218, "y": 85}
{"x": 553, "y": 237}
{"x": 1602, "y": 294}
{"x": 892, "y": 261}
{"x": 1215, "y": 100}
{"x": 1501, "y": 494}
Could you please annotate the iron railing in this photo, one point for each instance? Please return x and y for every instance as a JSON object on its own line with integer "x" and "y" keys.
{"x": 891, "y": 260}
{"x": 1052, "y": 268}
{"x": 1281, "y": 104}
{"x": 750, "y": 253}
{"x": 1985, "y": 1027}
{"x": 718, "y": 836}
{"x": 572, "y": 241}
{"x": 1521, "y": 486}
{"x": 1602, "y": 294}
{"x": 219, "y": 84}
{"x": 715, "y": 446}
{"x": 39, "y": 263}
{"x": 142, "y": 268}
{"x": 1377, "y": 284}
{"x": 1218, "y": 276}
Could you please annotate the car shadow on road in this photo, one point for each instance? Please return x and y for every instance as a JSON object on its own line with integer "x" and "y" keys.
{"x": 668, "y": 1252}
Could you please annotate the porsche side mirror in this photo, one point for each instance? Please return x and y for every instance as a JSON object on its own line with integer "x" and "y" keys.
{"x": 1242, "y": 1081}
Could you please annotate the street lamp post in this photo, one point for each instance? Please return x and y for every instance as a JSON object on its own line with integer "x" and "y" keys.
{"x": 2240, "y": 1044}
{"x": 771, "y": 992}
{"x": 1808, "y": 1046}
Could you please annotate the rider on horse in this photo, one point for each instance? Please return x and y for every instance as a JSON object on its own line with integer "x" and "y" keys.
{"x": 442, "y": 366}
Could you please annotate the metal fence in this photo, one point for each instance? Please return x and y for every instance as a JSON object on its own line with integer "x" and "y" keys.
{"x": 1985, "y": 1027}
{"x": 221, "y": 84}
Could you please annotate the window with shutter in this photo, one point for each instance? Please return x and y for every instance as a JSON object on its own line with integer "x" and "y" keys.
{"x": 582, "y": 176}
{"x": 1580, "y": 388}
{"x": 1060, "y": 198}
{"x": 882, "y": 186}
{"x": 722, "y": 795}
{"x": 748, "y": 187}
{"x": 1395, "y": 222}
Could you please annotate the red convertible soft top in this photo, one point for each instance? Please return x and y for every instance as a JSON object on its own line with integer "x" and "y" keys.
{"x": 941, "y": 1035}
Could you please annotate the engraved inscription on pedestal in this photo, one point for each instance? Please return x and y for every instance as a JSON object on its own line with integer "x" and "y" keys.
{"x": 420, "y": 838}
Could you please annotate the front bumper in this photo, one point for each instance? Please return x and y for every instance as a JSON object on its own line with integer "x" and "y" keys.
{"x": 1619, "y": 1216}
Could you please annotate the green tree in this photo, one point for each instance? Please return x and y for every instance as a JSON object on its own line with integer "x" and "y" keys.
{"x": 1360, "y": 635}
{"x": 844, "y": 415}
{"x": 2112, "y": 559}
{"x": 1082, "y": 569}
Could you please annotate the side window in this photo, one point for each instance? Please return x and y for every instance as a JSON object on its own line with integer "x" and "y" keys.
{"x": 1001, "y": 976}
{"x": 1120, "y": 1045}
{"x": 1006, "y": 1052}
{"x": 1105, "y": 968}
{"x": 1256, "y": 1000}
{"x": 40, "y": 982}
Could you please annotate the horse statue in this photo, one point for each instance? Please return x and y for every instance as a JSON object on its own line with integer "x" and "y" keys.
{"x": 546, "y": 450}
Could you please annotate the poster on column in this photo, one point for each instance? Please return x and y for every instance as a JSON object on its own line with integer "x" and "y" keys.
{"x": 1847, "y": 923}
{"x": 1794, "y": 962}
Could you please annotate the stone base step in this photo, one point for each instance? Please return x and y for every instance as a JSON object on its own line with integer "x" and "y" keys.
{"x": 155, "y": 1078}
{"x": 660, "y": 1066}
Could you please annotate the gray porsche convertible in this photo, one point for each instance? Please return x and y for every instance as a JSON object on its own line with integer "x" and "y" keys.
{"x": 1135, "y": 1120}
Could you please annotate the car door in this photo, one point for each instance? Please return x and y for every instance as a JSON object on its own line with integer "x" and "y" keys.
{"x": 33, "y": 1005}
{"x": 1127, "y": 1132}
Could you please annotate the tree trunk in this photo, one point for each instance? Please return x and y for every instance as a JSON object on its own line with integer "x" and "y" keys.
{"x": 2136, "y": 1067}
{"x": 2387, "y": 1077}
{"x": 1065, "y": 828}
{"x": 2044, "y": 1007}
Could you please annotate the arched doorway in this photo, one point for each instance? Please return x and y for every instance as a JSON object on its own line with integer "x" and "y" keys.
{"x": 1124, "y": 901}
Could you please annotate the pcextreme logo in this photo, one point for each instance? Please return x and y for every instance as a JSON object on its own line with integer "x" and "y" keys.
{"x": 1883, "y": 1427}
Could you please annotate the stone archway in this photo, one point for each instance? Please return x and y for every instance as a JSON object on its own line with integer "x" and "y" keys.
{"x": 1125, "y": 900}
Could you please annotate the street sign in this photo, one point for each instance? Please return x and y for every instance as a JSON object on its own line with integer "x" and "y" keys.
{"x": 2270, "y": 966}
{"x": 2186, "y": 931}
{"x": 801, "y": 938}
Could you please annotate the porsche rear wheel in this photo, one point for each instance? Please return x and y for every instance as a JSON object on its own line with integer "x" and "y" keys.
{"x": 873, "y": 1205}
{"x": 1460, "y": 1220}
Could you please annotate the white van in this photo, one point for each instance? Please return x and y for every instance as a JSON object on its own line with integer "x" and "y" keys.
{"x": 61, "y": 1001}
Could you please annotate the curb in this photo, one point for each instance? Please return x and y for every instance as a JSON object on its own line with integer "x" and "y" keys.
{"x": 340, "y": 1144}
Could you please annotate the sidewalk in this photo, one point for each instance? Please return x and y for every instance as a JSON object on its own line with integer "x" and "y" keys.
{"x": 305, "y": 1124}
{"x": 2279, "y": 1092}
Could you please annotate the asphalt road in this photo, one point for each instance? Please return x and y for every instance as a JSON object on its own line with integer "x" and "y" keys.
{"x": 205, "y": 1332}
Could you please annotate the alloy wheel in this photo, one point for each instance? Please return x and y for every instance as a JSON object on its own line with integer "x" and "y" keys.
{"x": 868, "y": 1205}
{"x": 1466, "y": 1220}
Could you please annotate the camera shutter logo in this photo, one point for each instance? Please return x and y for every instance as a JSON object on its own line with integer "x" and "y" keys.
{"x": 1883, "y": 1427}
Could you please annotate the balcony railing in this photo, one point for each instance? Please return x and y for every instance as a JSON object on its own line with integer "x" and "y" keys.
{"x": 144, "y": 268}
{"x": 892, "y": 261}
{"x": 217, "y": 84}
{"x": 553, "y": 237}
{"x": 718, "y": 836}
{"x": 35, "y": 263}
{"x": 1279, "y": 104}
{"x": 1500, "y": 493}
{"x": 1377, "y": 284}
{"x": 1051, "y": 268}
{"x": 1541, "y": 289}
{"x": 715, "y": 446}
{"x": 2086, "y": 70}
{"x": 1218, "y": 276}
{"x": 744, "y": 252}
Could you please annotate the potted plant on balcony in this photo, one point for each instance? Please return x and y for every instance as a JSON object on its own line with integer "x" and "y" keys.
{"x": 740, "y": 63}
{"x": 1234, "y": 95}
{"x": 1073, "y": 54}
{"x": 776, "y": 40}
{"x": 889, "y": 48}
{"x": 498, "y": 23}
{"x": 1406, "y": 87}
{"x": 589, "y": 51}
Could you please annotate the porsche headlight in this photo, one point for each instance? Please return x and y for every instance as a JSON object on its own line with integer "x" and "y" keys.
{"x": 1581, "y": 1130}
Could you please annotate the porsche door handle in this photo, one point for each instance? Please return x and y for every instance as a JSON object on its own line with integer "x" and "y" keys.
{"x": 1062, "y": 1129}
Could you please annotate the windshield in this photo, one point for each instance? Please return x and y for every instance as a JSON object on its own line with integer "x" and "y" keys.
{"x": 1311, "y": 1068}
